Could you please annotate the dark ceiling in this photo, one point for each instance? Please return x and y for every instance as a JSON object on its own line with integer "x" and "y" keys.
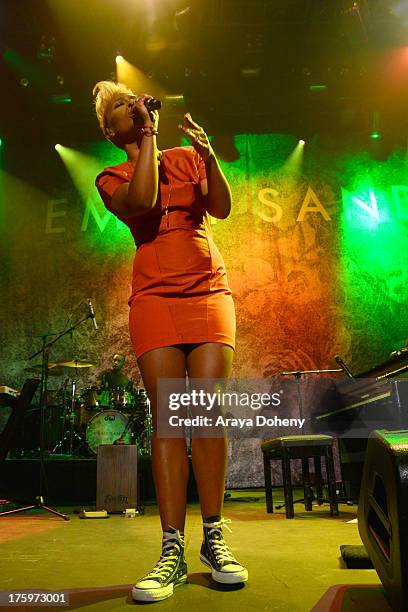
{"x": 246, "y": 65}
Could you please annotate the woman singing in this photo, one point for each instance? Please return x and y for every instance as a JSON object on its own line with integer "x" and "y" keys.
{"x": 182, "y": 317}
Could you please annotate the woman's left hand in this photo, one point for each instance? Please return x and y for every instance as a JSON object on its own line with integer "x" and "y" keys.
{"x": 197, "y": 137}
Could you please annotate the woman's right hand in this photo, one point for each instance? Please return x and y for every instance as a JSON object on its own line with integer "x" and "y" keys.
{"x": 137, "y": 107}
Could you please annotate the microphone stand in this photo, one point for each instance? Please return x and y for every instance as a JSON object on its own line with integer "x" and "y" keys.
{"x": 297, "y": 374}
{"x": 45, "y": 353}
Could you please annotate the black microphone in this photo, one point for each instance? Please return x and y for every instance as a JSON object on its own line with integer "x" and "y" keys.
{"x": 343, "y": 366}
{"x": 153, "y": 104}
{"x": 92, "y": 314}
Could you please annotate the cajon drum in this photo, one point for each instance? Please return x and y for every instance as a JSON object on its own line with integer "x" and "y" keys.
{"x": 116, "y": 477}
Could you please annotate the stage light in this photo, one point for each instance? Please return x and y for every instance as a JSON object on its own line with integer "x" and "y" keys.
{"x": 375, "y": 126}
{"x": 119, "y": 58}
{"x": 174, "y": 100}
{"x": 1, "y": 142}
{"x": 82, "y": 169}
{"x": 292, "y": 167}
{"x": 137, "y": 80}
{"x": 61, "y": 98}
{"x": 318, "y": 87}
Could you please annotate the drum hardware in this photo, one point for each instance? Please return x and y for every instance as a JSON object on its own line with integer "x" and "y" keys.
{"x": 70, "y": 412}
{"x": 70, "y": 416}
{"x": 135, "y": 424}
{"x": 145, "y": 438}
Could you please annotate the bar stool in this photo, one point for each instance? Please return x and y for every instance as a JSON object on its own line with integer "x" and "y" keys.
{"x": 300, "y": 447}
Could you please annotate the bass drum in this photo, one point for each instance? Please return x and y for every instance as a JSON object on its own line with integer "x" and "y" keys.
{"x": 106, "y": 427}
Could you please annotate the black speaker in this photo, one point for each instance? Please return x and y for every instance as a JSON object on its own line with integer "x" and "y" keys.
{"x": 383, "y": 512}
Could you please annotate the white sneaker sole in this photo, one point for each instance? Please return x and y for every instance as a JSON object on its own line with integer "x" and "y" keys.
{"x": 156, "y": 594}
{"x": 226, "y": 577}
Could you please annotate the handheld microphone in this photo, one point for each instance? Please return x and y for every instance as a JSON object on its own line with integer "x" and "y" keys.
{"x": 343, "y": 366}
{"x": 92, "y": 314}
{"x": 153, "y": 104}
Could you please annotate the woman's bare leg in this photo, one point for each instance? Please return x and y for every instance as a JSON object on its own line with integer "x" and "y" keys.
{"x": 169, "y": 455}
{"x": 209, "y": 455}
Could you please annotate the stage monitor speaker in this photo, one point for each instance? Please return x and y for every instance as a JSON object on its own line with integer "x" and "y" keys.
{"x": 116, "y": 477}
{"x": 383, "y": 512}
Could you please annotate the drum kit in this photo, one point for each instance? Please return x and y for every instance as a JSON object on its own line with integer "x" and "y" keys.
{"x": 82, "y": 419}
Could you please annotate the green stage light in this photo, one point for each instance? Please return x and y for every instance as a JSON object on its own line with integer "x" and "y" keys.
{"x": 61, "y": 99}
{"x": 375, "y": 126}
{"x": 1, "y": 142}
{"x": 301, "y": 142}
{"x": 57, "y": 147}
{"x": 99, "y": 226}
{"x": 373, "y": 243}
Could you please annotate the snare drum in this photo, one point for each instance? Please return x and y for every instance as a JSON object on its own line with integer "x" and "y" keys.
{"x": 106, "y": 427}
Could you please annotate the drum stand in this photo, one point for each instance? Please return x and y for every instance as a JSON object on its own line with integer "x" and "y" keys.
{"x": 69, "y": 436}
{"x": 147, "y": 433}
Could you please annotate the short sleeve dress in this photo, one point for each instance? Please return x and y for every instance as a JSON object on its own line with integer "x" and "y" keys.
{"x": 180, "y": 292}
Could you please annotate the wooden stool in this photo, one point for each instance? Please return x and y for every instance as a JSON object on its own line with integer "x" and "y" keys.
{"x": 300, "y": 447}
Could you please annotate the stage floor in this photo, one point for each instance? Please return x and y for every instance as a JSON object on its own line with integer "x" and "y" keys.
{"x": 291, "y": 563}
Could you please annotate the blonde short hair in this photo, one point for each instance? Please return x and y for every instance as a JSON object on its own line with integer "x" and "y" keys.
{"x": 105, "y": 92}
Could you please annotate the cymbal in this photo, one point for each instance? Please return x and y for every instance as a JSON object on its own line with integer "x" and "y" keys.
{"x": 37, "y": 369}
{"x": 74, "y": 363}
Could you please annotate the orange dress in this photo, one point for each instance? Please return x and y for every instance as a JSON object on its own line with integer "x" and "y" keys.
{"x": 180, "y": 292}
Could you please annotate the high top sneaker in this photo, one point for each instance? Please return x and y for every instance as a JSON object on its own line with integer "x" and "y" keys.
{"x": 170, "y": 570}
{"x": 216, "y": 554}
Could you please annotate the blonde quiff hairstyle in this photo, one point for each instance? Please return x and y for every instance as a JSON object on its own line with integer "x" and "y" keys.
{"x": 105, "y": 92}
